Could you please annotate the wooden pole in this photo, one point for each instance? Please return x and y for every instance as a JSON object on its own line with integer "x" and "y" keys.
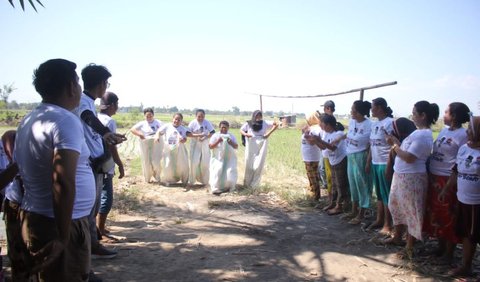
{"x": 261, "y": 104}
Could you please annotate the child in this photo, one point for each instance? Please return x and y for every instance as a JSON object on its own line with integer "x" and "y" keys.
{"x": 334, "y": 142}
{"x": 175, "y": 154}
{"x": 223, "y": 163}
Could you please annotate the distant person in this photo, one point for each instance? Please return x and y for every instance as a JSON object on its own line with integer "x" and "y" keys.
{"x": 378, "y": 158}
{"x": 95, "y": 82}
{"x": 199, "y": 131}
{"x": 223, "y": 162}
{"x": 59, "y": 184}
{"x": 410, "y": 180}
{"x": 175, "y": 153}
{"x": 150, "y": 151}
{"x": 358, "y": 147}
{"x": 312, "y": 155}
{"x": 256, "y": 132}
{"x": 334, "y": 143}
{"x": 108, "y": 108}
{"x": 466, "y": 175}
{"x": 440, "y": 211}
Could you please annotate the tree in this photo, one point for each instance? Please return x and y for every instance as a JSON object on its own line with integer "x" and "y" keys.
{"x": 5, "y": 93}
{"x": 236, "y": 110}
{"x": 23, "y": 4}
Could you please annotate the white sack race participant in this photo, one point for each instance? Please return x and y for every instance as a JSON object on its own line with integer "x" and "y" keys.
{"x": 256, "y": 132}
{"x": 150, "y": 151}
{"x": 175, "y": 154}
{"x": 200, "y": 130}
{"x": 223, "y": 162}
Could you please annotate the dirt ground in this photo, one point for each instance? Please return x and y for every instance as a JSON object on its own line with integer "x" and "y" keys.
{"x": 177, "y": 235}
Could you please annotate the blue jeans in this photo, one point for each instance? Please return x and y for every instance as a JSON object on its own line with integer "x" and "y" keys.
{"x": 106, "y": 198}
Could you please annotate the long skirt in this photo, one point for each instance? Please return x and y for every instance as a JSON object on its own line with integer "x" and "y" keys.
{"x": 407, "y": 201}
{"x": 440, "y": 218}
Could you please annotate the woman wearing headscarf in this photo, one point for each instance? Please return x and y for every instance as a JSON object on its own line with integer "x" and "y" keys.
{"x": 440, "y": 215}
{"x": 410, "y": 181}
{"x": 466, "y": 175}
{"x": 256, "y": 132}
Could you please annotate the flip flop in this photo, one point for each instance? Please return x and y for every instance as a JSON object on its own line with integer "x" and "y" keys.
{"x": 334, "y": 212}
{"x": 355, "y": 221}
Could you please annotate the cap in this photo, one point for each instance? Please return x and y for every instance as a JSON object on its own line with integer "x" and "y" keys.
{"x": 108, "y": 99}
{"x": 329, "y": 104}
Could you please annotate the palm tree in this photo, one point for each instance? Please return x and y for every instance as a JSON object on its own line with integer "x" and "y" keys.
{"x": 23, "y": 4}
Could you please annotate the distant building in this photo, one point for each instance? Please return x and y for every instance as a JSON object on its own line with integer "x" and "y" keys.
{"x": 289, "y": 120}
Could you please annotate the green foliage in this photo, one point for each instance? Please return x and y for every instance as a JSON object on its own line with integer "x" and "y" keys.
{"x": 22, "y": 4}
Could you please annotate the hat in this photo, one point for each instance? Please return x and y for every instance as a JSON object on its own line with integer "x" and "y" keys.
{"x": 108, "y": 99}
{"x": 329, "y": 104}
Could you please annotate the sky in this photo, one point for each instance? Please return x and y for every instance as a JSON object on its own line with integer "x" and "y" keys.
{"x": 215, "y": 54}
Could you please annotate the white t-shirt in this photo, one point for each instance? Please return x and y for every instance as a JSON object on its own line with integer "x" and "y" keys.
{"x": 218, "y": 135}
{"x": 311, "y": 153}
{"x": 148, "y": 128}
{"x": 93, "y": 139}
{"x": 266, "y": 126}
{"x": 46, "y": 129}
{"x": 205, "y": 127}
{"x": 358, "y": 136}
{"x": 335, "y": 157}
{"x": 172, "y": 134}
{"x": 468, "y": 180}
{"x": 109, "y": 122}
{"x": 445, "y": 150}
{"x": 379, "y": 147}
{"x": 419, "y": 143}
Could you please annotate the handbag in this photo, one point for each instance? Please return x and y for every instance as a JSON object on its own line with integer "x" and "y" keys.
{"x": 104, "y": 163}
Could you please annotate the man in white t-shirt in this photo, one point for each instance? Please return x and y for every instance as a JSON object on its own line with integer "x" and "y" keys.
{"x": 95, "y": 82}
{"x": 59, "y": 185}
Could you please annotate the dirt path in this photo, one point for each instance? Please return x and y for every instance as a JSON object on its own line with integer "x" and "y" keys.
{"x": 195, "y": 236}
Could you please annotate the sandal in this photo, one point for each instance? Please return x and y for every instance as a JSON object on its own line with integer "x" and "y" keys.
{"x": 334, "y": 211}
{"x": 355, "y": 221}
{"x": 373, "y": 226}
{"x": 405, "y": 254}
{"x": 328, "y": 207}
{"x": 393, "y": 242}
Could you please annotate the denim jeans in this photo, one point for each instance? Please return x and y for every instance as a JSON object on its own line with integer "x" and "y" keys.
{"x": 106, "y": 198}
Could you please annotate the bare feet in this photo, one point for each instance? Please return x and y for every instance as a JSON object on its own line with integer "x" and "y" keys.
{"x": 334, "y": 211}
{"x": 374, "y": 225}
{"x": 329, "y": 207}
{"x": 393, "y": 241}
{"x": 385, "y": 231}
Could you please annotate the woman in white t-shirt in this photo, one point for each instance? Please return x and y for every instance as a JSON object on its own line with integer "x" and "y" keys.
{"x": 256, "y": 132}
{"x": 200, "y": 130}
{"x": 150, "y": 152}
{"x": 466, "y": 175}
{"x": 409, "y": 184}
{"x": 358, "y": 146}
{"x": 334, "y": 143}
{"x": 175, "y": 154}
{"x": 312, "y": 155}
{"x": 439, "y": 219}
{"x": 377, "y": 162}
